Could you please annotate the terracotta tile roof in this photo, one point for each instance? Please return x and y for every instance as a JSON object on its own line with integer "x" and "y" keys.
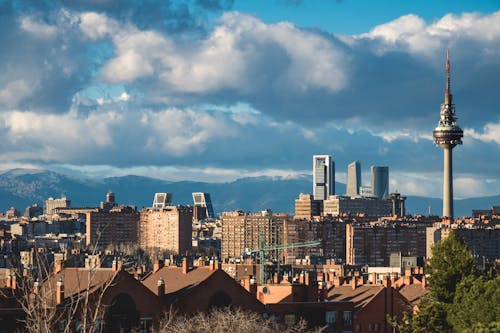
{"x": 413, "y": 293}
{"x": 360, "y": 296}
{"x": 175, "y": 280}
{"x": 77, "y": 280}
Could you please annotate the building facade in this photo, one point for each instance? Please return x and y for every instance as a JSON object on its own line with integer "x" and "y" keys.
{"x": 166, "y": 229}
{"x": 380, "y": 181}
{"x": 242, "y": 231}
{"x": 323, "y": 176}
{"x": 353, "y": 179}
{"x": 112, "y": 227}
{"x": 372, "y": 245}
{"x": 306, "y": 207}
{"x": 51, "y": 204}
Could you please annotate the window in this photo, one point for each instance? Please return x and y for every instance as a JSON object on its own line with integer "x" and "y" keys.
{"x": 331, "y": 318}
{"x": 145, "y": 324}
{"x": 290, "y": 319}
{"x": 347, "y": 318}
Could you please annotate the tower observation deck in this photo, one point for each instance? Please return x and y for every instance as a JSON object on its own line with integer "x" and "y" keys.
{"x": 447, "y": 135}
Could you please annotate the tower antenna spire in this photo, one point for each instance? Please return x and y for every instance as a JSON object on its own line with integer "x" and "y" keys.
{"x": 447, "y": 95}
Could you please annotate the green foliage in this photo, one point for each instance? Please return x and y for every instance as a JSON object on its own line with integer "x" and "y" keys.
{"x": 431, "y": 317}
{"x": 476, "y": 303}
{"x": 451, "y": 262}
{"x": 486, "y": 328}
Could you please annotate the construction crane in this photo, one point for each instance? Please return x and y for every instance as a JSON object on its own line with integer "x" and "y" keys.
{"x": 263, "y": 248}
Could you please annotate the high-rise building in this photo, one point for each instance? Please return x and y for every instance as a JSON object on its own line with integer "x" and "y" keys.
{"x": 162, "y": 200}
{"x": 167, "y": 228}
{"x": 380, "y": 181}
{"x": 242, "y": 231}
{"x": 447, "y": 135}
{"x": 51, "y": 204}
{"x": 353, "y": 178}
{"x": 202, "y": 206}
{"x": 117, "y": 225}
{"x": 323, "y": 177}
{"x": 306, "y": 207}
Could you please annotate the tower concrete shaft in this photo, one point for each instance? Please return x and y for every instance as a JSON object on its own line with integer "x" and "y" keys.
{"x": 448, "y": 183}
{"x": 447, "y": 135}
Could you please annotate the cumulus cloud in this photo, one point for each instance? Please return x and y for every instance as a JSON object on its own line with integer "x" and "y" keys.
{"x": 38, "y": 29}
{"x": 490, "y": 133}
{"x": 92, "y": 83}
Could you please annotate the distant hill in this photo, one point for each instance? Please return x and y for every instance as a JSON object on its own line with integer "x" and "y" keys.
{"x": 20, "y": 188}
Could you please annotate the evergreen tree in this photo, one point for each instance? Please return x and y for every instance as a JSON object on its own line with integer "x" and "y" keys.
{"x": 431, "y": 317}
{"x": 451, "y": 262}
{"x": 476, "y": 302}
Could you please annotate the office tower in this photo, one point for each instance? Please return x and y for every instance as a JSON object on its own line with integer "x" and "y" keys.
{"x": 167, "y": 228}
{"x": 323, "y": 177}
{"x": 353, "y": 178}
{"x": 161, "y": 200}
{"x": 202, "y": 206}
{"x": 51, "y": 204}
{"x": 447, "y": 135}
{"x": 380, "y": 181}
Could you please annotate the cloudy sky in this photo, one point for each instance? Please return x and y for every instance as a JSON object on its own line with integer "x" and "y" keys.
{"x": 217, "y": 90}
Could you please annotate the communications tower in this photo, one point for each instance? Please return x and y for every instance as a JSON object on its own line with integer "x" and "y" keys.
{"x": 447, "y": 135}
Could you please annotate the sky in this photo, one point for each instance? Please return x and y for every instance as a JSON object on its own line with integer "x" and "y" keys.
{"x": 215, "y": 90}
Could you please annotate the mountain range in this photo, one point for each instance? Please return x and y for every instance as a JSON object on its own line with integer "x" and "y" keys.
{"x": 22, "y": 187}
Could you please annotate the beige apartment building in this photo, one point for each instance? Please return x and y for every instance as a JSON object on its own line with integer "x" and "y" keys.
{"x": 241, "y": 231}
{"x": 166, "y": 228}
{"x": 306, "y": 207}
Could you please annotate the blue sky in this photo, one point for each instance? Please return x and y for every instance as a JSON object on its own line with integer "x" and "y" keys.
{"x": 217, "y": 90}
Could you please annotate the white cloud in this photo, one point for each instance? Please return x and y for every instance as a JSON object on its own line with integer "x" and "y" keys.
{"x": 38, "y": 29}
{"x": 228, "y": 58}
{"x": 490, "y": 133}
{"x": 412, "y": 33}
{"x": 97, "y": 26}
{"x": 180, "y": 132}
{"x": 15, "y": 91}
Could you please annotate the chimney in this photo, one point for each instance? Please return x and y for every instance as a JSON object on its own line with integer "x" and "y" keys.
{"x": 216, "y": 263}
{"x": 354, "y": 282}
{"x": 114, "y": 265}
{"x": 8, "y": 280}
{"x": 250, "y": 285}
{"x": 36, "y": 286}
{"x": 302, "y": 279}
{"x": 386, "y": 282}
{"x": 373, "y": 278}
{"x": 120, "y": 265}
{"x": 157, "y": 265}
{"x": 338, "y": 281}
{"x": 276, "y": 279}
{"x": 184, "y": 266}
{"x": 321, "y": 291}
{"x": 58, "y": 266}
{"x": 161, "y": 287}
{"x": 14, "y": 281}
{"x": 407, "y": 271}
{"x": 307, "y": 278}
{"x": 424, "y": 282}
{"x": 59, "y": 291}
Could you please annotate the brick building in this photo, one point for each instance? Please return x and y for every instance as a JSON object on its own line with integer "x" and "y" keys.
{"x": 117, "y": 225}
{"x": 167, "y": 228}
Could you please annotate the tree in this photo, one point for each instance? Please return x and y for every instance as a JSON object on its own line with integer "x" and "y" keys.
{"x": 474, "y": 303}
{"x": 431, "y": 317}
{"x": 224, "y": 320}
{"x": 451, "y": 261}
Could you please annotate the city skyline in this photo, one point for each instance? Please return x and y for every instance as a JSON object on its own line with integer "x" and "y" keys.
{"x": 215, "y": 91}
